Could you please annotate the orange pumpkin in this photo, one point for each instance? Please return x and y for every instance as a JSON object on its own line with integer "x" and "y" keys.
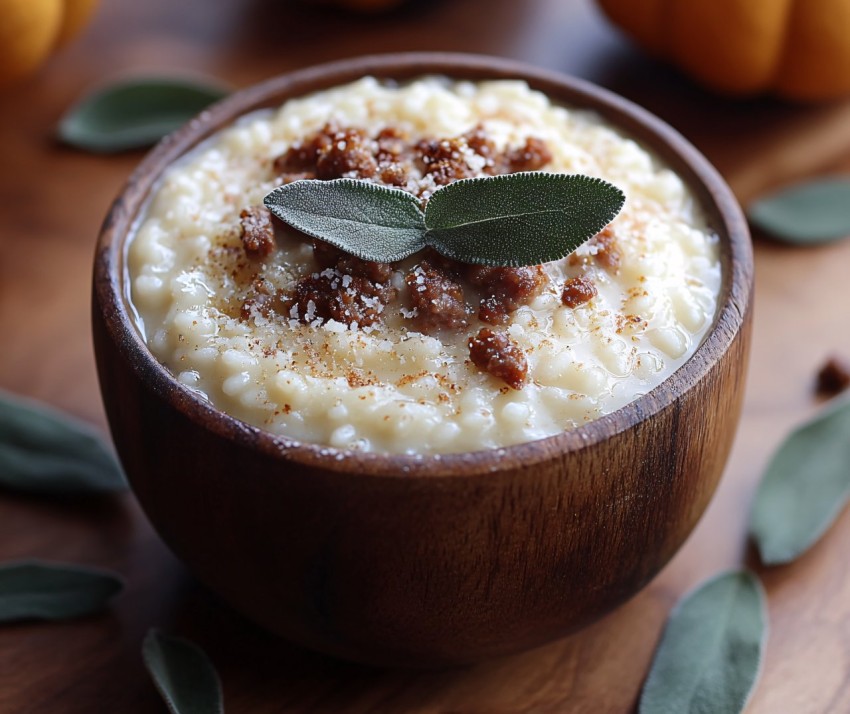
{"x": 30, "y": 30}
{"x": 798, "y": 49}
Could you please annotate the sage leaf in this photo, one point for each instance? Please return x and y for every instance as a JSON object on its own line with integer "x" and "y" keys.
{"x": 369, "y": 221}
{"x": 182, "y": 674}
{"x": 135, "y": 113}
{"x": 511, "y": 220}
{"x": 805, "y": 486}
{"x": 711, "y": 650}
{"x": 45, "y": 452}
{"x": 36, "y": 590}
{"x": 807, "y": 213}
{"x": 519, "y": 219}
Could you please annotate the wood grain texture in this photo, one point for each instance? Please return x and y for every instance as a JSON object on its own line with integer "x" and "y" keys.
{"x": 53, "y": 202}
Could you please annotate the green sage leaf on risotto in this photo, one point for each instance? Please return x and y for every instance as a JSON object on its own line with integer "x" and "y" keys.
{"x": 805, "y": 487}
{"x": 183, "y": 675}
{"x": 45, "y": 452}
{"x": 519, "y": 219}
{"x": 710, "y": 653}
{"x": 36, "y": 590}
{"x": 511, "y": 220}
{"x": 135, "y": 113}
{"x": 364, "y": 219}
{"x": 807, "y": 213}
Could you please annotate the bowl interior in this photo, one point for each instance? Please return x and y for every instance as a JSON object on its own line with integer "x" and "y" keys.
{"x": 724, "y": 217}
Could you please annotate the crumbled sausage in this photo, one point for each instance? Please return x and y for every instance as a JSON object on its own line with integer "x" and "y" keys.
{"x": 496, "y": 354}
{"x": 347, "y": 154}
{"x": 344, "y": 298}
{"x": 327, "y": 256}
{"x": 534, "y": 155}
{"x": 436, "y": 298}
{"x": 578, "y": 291}
{"x": 481, "y": 144}
{"x": 390, "y": 157}
{"x": 452, "y": 268}
{"x": 394, "y": 174}
{"x": 392, "y": 144}
{"x": 375, "y": 271}
{"x": 505, "y": 289}
{"x": 302, "y": 158}
{"x": 833, "y": 377}
{"x": 394, "y": 156}
{"x": 330, "y": 153}
{"x": 444, "y": 160}
{"x": 298, "y": 176}
{"x": 608, "y": 252}
{"x": 257, "y": 231}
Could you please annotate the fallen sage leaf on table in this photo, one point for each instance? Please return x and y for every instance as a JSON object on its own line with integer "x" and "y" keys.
{"x": 807, "y": 213}
{"x": 710, "y": 654}
{"x": 37, "y": 590}
{"x": 805, "y": 487}
{"x": 43, "y": 451}
{"x": 510, "y": 220}
{"x": 182, "y": 674}
{"x": 135, "y": 113}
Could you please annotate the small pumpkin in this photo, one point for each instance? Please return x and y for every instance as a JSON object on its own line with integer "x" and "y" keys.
{"x": 799, "y": 49}
{"x": 30, "y": 30}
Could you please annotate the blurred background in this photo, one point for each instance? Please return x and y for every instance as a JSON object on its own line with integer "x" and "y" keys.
{"x": 53, "y": 199}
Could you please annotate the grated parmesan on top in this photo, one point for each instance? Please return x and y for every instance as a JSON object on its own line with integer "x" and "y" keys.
{"x": 387, "y": 387}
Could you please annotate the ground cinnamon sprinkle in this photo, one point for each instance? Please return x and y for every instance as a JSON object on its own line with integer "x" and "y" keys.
{"x": 260, "y": 301}
{"x": 247, "y": 331}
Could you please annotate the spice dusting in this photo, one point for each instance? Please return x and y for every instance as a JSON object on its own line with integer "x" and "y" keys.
{"x": 356, "y": 292}
{"x": 427, "y": 355}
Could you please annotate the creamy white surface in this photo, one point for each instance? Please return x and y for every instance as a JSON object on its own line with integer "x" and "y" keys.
{"x": 424, "y": 396}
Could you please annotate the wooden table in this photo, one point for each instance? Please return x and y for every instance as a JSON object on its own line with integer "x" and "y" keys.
{"x": 53, "y": 200}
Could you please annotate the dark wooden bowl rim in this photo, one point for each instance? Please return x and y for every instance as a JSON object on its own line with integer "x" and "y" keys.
{"x": 112, "y": 290}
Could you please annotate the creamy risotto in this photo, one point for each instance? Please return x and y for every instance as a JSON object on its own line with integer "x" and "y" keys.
{"x": 424, "y": 356}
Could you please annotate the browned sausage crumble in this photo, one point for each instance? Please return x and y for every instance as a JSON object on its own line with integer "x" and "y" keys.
{"x": 356, "y": 292}
{"x": 436, "y": 298}
{"x": 331, "y": 295}
{"x": 608, "y": 254}
{"x": 257, "y": 232}
{"x": 346, "y": 154}
{"x": 505, "y": 289}
{"x": 531, "y": 157}
{"x": 833, "y": 377}
{"x": 327, "y": 256}
{"x": 577, "y": 291}
{"x": 391, "y": 158}
{"x": 498, "y": 355}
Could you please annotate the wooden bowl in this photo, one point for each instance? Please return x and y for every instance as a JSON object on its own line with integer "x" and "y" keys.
{"x": 399, "y": 560}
